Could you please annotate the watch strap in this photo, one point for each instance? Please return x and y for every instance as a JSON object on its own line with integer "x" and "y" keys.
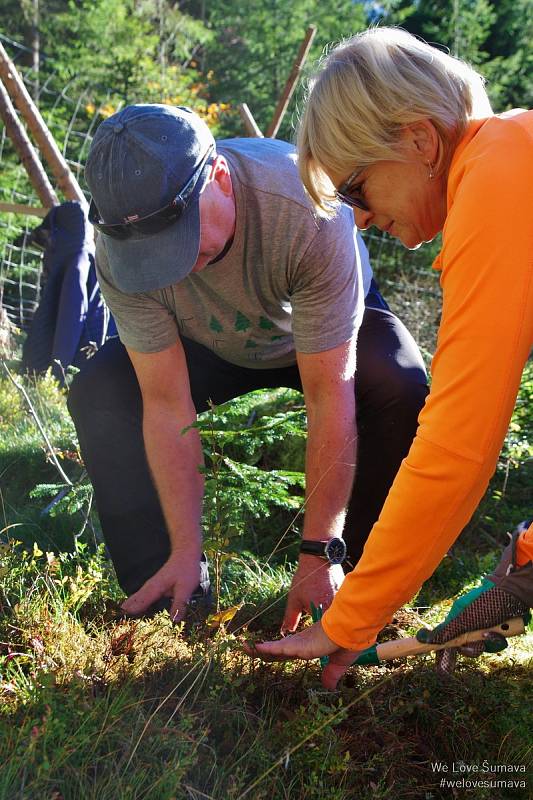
{"x": 313, "y": 548}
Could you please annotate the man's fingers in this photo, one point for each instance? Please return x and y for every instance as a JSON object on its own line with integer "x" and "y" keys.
{"x": 142, "y": 599}
{"x": 178, "y": 609}
{"x": 293, "y": 613}
{"x": 176, "y": 579}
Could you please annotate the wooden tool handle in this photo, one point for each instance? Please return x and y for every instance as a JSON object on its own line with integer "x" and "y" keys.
{"x": 399, "y": 648}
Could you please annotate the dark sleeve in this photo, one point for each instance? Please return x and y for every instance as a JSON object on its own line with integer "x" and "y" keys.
{"x": 71, "y": 312}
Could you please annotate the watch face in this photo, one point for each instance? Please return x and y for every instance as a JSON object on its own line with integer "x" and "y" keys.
{"x": 336, "y": 551}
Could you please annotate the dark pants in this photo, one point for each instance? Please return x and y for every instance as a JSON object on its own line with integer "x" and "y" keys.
{"x": 105, "y": 404}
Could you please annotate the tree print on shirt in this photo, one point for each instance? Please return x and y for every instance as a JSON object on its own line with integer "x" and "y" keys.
{"x": 242, "y": 323}
{"x": 265, "y": 324}
{"x": 215, "y": 325}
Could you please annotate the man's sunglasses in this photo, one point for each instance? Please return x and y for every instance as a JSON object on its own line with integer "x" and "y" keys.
{"x": 343, "y": 193}
{"x": 157, "y": 220}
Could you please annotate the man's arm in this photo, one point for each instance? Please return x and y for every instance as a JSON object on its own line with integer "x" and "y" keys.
{"x": 328, "y": 383}
{"x": 174, "y": 458}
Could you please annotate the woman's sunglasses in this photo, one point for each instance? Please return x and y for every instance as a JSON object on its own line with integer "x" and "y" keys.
{"x": 350, "y": 198}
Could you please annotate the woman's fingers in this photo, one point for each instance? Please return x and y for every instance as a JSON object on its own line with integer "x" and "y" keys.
{"x": 309, "y": 643}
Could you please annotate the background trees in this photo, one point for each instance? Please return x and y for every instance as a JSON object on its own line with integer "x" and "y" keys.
{"x": 253, "y": 44}
{"x": 495, "y": 35}
{"x": 231, "y": 51}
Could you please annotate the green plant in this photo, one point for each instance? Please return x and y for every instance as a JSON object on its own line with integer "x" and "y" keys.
{"x": 238, "y": 493}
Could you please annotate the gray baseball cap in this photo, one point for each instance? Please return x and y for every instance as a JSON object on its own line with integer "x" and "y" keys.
{"x": 140, "y": 159}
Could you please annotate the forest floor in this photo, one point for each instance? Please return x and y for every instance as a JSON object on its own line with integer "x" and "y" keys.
{"x": 93, "y": 707}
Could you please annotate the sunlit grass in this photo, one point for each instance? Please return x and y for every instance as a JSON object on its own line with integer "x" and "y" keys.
{"x": 91, "y": 707}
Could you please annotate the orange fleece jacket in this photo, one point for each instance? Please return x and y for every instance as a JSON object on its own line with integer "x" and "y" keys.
{"x": 484, "y": 340}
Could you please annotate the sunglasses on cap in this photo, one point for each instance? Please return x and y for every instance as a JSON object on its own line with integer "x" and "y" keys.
{"x": 350, "y": 198}
{"x": 157, "y": 220}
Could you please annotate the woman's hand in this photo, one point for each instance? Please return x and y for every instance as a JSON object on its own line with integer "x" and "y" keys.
{"x": 310, "y": 643}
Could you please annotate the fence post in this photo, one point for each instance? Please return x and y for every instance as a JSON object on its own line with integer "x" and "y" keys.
{"x": 28, "y": 155}
{"x": 37, "y": 126}
{"x": 252, "y": 128}
{"x": 284, "y": 100}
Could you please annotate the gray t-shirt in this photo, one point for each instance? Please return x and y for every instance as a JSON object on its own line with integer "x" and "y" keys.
{"x": 289, "y": 282}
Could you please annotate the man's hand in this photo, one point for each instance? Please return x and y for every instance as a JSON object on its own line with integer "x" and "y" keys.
{"x": 310, "y": 643}
{"x": 178, "y": 579}
{"x": 315, "y": 580}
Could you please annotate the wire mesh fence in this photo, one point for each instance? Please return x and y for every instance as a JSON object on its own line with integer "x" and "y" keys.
{"x": 20, "y": 277}
{"x": 72, "y": 128}
{"x": 404, "y": 276}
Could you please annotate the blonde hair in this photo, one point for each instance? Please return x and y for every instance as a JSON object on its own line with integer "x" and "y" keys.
{"x": 366, "y": 90}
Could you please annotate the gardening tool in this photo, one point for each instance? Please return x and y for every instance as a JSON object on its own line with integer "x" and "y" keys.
{"x": 400, "y": 648}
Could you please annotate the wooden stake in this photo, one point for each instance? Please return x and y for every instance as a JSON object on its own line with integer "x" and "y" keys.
{"x": 37, "y": 126}
{"x": 285, "y": 98}
{"x": 28, "y": 154}
{"x": 252, "y": 128}
{"x": 20, "y": 208}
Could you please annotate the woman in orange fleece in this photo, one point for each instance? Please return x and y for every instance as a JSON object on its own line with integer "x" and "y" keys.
{"x": 405, "y": 134}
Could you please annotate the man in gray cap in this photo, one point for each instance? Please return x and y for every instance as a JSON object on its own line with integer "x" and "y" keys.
{"x": 221, "y": 280}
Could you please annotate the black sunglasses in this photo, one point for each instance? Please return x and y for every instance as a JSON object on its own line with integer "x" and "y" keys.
{"x": 157, "y": 220}
{"x": 343, "y": 193}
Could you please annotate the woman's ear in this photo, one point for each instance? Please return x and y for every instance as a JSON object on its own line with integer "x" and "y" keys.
{"x": 421, "y": 140}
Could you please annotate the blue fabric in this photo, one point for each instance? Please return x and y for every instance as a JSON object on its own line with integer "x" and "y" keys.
{"x": 374, "y": 298}
{"x": 72, "y": 313}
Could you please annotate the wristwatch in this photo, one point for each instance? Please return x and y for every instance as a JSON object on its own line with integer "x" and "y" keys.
{"x": 333, "y": 550}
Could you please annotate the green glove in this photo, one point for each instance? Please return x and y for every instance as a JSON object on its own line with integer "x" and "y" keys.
{"x": 506, "y": 593}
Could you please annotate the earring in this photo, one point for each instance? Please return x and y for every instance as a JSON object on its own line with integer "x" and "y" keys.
{"x": 431, "y": 167}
